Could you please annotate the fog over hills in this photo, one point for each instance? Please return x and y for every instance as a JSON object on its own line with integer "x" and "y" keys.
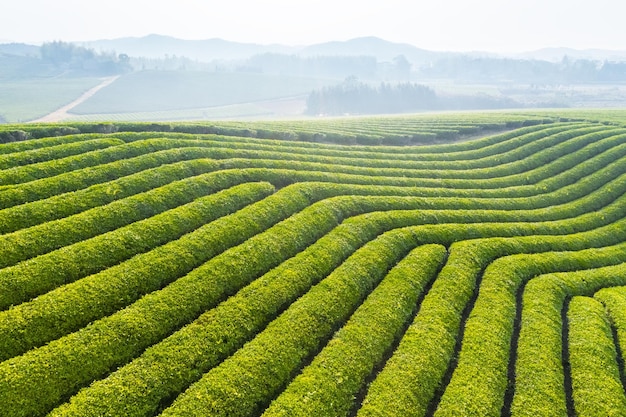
{"x": 383, "y": 50}
{"x": 190, "y": 79}
{"x": 158, "y": 46}
{"x": 19, "y": 49}
{"x": 216, "y": 49}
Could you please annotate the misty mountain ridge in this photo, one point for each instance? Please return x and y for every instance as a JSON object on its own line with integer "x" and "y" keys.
{"x": 160, "y": 46}
{"x": 384, "y": 51}
{"x": 19, "y": 49}
{"x": 156, "y": 46}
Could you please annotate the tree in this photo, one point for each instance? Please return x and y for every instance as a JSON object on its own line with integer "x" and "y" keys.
{"x": 403, "y": 68}
{"x": 57, "y": 52}
{"x": 355, "y": 97}
{"x": 69, "y": 57}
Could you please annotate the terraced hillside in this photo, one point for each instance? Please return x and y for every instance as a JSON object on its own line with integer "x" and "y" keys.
{"x": 164, "y": 270}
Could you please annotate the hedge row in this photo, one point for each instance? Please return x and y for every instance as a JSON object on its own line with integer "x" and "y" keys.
{"x": 448, "y": 148}
{"x": 38, "y": 155}
{"x": 73, "y": 306}
{"x": 35, "y": 171}
{"x": 21, "y": 174}
{"x": 487, "y": 352}
{"x": 376, "y": 135}
{"x": 229, "y": 396}
{"x": 43, "y": 238}
{"x": 361, "y": 132}
{"x": 584, "y": 173}
{"x": 67, "y": 204}
{"x": 42, "y": 273}
{"x": 568, "y": 142}
{"x": 533, "y": 175}
{"x": 170, "y": 366}
{"x": 330, "y": 383}
{"x": 26, "y": 132}
{"x": 421, "y": 153}
{"x": 614, "y": 301}
{"x": 173, "y": 364}
{"x": 276, "y": 175}
{"x": 509, "y": 150}
{"x": 245, "y": 383}
{"x": 61, "y": 150}
{"x": 81, "y": 178}
{"x": 108, "y": 352}
{"x": 596, "y": 385}
{"x": 142, "y": 369}
{"x": 21, "y": 146}
{"x": 63, "y": 203}
{"x": 302, "y": 148}
{"x": 155, "y": 376}
{"x": 36, "y": 276}
{"x": 407, "y": 383}
{"x": 539, "y": 373}
{"x": 56, "y": 207}
{"x": 548, "y": 177}
{"x": 428, "y": 346}
{"x": 521, "y": 171}
{"x": 374, "y": 203}
{"x": 56, "y": 370}
{"x": 378, "y": 131}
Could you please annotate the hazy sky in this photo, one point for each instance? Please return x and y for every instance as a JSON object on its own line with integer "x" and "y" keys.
{"x": 457, "y": 25}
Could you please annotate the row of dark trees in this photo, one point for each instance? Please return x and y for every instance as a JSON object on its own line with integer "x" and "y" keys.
{"x": 354, "y": 97}
{"x": 567, "y": 71}
{"x": 77, "y": 59}
{"x": 464, "y": 68}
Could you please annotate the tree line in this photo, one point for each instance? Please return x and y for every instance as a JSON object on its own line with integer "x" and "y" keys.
{"x": 77, "y": 59}
{"x": 355, "y": 97}
{"x": 485, "y": 69}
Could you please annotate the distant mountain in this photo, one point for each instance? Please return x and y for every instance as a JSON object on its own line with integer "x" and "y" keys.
{"x": 19, "y": 49}
{"x": 18, "y": 60}
{"x": 383, "y": 50}
{"x": 158, "y": 46}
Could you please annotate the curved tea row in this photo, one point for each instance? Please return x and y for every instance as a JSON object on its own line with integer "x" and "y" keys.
{"x": 149, "y": 273}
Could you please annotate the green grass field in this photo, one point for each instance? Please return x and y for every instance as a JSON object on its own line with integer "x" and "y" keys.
{"x": 157, "y": 95}
{"x": 321, "y": 267}
{"x": 265, "y": 109}
{"x": 23, "y": 100}
{"x": 151, "y": 91}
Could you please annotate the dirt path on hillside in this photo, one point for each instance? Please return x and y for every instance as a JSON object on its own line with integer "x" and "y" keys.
{"x": 62, "y": 113}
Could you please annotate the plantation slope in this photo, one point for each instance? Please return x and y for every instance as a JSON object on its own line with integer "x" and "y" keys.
{"x": 268, "y": 268}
